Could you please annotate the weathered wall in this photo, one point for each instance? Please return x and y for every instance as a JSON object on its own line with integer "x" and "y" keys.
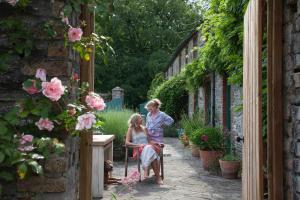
{"x": 218, "y": 100}
{"x": 291, "y": 97}
{"x": 60, "y": 180}
{"x": 236, "y": 116}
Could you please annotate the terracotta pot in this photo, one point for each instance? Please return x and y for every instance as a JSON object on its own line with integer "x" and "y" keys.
{"x": 209, "y": 158}
{"x": 230, "y": 168}
{"x": 195, "y": 150}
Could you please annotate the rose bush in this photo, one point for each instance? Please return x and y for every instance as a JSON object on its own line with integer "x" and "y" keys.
{"x": 33, "y": 128}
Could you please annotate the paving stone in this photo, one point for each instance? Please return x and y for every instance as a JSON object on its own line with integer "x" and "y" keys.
{"x": 184, "y": 179}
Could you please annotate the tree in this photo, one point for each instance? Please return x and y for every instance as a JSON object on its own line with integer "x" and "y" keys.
{"x": 144, "y": 34}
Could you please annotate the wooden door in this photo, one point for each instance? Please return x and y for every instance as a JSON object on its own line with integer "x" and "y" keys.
{"x": 252, "y": 176}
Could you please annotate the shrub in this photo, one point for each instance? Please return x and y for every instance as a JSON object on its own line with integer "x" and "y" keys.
{"x": 170, "y": 131}
{"x": 189, "y": 125}
{"x": 115, "y": 123}
{"x": 173, "y": 96}
{"x": 208, "y": 138}
{"x": 230, "y": 157}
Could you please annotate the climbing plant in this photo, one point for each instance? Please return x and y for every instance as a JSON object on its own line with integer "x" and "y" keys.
{"x": 222, "y": 31}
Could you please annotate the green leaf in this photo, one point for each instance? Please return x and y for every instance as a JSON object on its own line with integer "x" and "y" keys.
{"x": 2, "y": 157}
{"x": 36, "y": 156}
{"x": 36, "y": 167}
{"x": 3, "y": 128}
{"x": 6, "y": 176}
{"x": 12, "y": 117}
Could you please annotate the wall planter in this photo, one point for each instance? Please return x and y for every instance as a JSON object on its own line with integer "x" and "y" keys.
{"x": 209, "y": 158}
{"x": 230, "y": 168}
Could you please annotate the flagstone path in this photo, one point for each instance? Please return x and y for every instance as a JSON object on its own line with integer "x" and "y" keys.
{"x": 184, "y": 180}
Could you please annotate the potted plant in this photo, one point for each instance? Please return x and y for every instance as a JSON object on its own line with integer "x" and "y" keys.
{"x": 230, "y": 165}
{"x": 210, "y": 142}
{"x": 190, "y": 125}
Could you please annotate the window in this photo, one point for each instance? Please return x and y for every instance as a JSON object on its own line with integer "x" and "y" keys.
{"x": 187, "y": 55}
{"x": 195, "y": 41}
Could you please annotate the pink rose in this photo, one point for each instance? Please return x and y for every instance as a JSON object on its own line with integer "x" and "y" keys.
{"x": 26, "y": 139}
{"x": 12, "y": 2}
{"x": 74, "y": 34}
{"x": 45, "y": 124}
{"x": 94, "y": 101}
{"x": 41, "y": 74}
{"x": 53, "y": 89}
{"x": 31, "y": 86}
{"x": 25, "y": 143}
{"x": 85, "y": 121}
{"x": 26, "y": 148}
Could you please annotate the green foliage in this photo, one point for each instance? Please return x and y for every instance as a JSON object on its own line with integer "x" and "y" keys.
{"x": 115, "y": 123}
{"x": 222, "y": 31}
{"x": 194, "y": 75}
{"x": 157, "y": 81}
{"x": 197, "y": 121}
{"x": 144, "y": 35}
{"x": 230, "y": 157}
{"x": 173, "y": 96}
{"x": 208, "y": 138}
{"x": 170, "y": 131}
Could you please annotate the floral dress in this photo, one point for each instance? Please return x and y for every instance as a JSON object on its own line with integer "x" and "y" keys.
{"x": 148, "y": 154}
{"x": 154, "y": 126}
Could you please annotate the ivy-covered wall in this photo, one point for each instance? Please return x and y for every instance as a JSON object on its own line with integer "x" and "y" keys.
{"x": 32, "y": 36}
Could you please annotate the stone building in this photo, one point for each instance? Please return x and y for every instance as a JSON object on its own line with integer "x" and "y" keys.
{"x": 216, "y": 97}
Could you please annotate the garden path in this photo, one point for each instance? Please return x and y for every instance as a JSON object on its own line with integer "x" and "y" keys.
{"x": 184, "y": 180}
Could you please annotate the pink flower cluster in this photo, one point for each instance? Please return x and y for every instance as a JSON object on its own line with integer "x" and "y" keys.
{"x": 25, "y": 143}
{"x": 53, "y": 89}
{"x": 204, "y": 138}
{"x": 85, "y": 121}
{"x": 74, "y": 34}
{"x": 94, "y": 101}
{"x": 131, "y": 179}
{"x": 45, "y": 124}
{"x": 12, "y": 2}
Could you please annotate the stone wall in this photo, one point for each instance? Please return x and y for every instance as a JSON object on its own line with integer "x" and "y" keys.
{"x": 60, "y": 180}
{"x": 237, "y": 116}
{"x": 291, "y": 56}
{"x": 218, "y": 100}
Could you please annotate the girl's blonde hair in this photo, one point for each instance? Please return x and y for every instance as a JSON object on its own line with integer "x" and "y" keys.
{"x": 154, "y": 102}
{"x": 133, "y": 120}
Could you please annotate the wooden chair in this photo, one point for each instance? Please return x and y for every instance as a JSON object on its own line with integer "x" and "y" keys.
{"x": 161, "y": 155}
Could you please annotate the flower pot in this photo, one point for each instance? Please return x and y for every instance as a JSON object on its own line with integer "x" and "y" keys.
{"x": 195, "y": 150}
{"x": 209, "y": 158}
{"x": 230, "y": 168}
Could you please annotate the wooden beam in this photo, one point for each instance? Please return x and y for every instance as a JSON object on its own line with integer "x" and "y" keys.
{"x": 86, "y": 138}
{"x": 275, "y": 106}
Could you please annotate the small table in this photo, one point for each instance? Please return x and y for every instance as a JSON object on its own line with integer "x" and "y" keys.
{"x": 102, "y": 150}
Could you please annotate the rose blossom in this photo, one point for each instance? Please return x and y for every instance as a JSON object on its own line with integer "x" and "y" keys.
{"x": 26, "y": 138}
{"x": 45, "y": 124}
{"x": 85, "y": 121}
{"x": 12, "y": 2}
{"x": 32, "y": 89}
{"x": 94, "y": 101}
{"x": 74, "y": 34}
{"x": 53, "y": 89}
{"x": 75, "y": 77}
{"x": 41, "y": 74}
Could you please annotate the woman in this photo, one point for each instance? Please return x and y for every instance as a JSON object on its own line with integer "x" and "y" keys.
{"x": 137, "y": 137}
{"x": 155, "y": 121}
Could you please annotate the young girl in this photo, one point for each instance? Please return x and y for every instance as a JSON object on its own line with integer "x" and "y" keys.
{"x": 137, "y": 137}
